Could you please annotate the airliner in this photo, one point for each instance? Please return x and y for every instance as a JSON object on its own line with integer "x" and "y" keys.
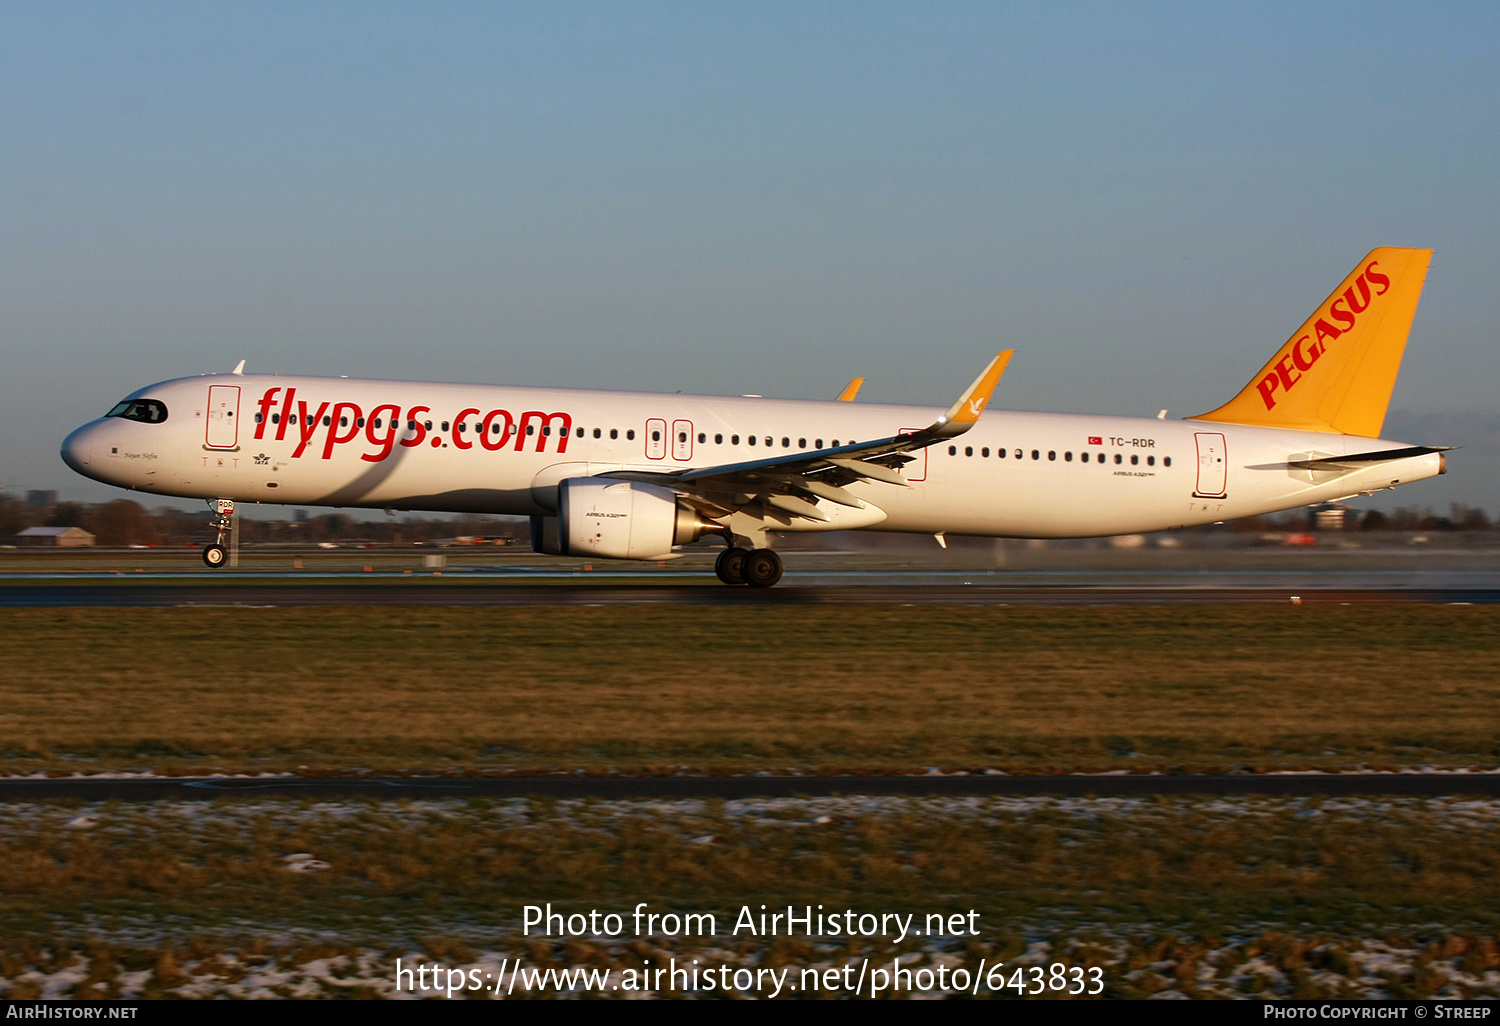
{"x": 634, "y": 475}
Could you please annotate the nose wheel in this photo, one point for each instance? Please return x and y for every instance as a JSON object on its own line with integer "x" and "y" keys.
{"x": 216, "y": 555}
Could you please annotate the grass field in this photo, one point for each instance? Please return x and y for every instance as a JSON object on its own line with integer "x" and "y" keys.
{"x": 1393, "y": 897}
{"x": 1204, "y": 897}
{"x": 338, "y": 690}
{"x": 726, "y": 690}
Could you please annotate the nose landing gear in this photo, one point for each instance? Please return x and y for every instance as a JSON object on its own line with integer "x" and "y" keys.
{"x": 216, "y": 555}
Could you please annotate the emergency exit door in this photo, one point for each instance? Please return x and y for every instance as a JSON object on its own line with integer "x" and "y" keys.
{"x": 656, "y": 439}
{"x": 1213, "y": 468}
{"x": 223, "y": 431}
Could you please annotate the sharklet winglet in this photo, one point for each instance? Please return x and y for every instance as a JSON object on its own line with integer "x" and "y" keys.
{"x": 963, "y": 414}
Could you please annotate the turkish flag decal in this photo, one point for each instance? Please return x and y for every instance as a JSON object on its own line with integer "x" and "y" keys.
{"x": 1095, "y": 440}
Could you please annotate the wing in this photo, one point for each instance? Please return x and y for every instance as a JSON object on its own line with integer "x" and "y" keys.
{"x": 793, "y": 485}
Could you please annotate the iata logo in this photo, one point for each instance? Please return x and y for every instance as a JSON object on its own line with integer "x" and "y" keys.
{"x": 1306, "y": 349}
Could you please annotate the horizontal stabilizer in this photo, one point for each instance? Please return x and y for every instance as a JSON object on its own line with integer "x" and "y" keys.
{"x": 1361, "y": 459}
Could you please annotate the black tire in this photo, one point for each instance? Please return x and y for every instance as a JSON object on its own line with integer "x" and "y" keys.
{"x": 730, "y": 566}
{"x": 762, "y": 568}
{"x": 216, "y": 556}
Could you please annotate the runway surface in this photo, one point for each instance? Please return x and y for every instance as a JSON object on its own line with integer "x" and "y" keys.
{"x": 211, "y": 788}
{"x": 428, "y": 592}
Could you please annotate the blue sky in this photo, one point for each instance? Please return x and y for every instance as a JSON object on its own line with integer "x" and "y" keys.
{"x": 1143, "y": 201}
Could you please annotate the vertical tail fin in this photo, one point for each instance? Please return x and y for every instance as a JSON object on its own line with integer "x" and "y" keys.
{"x": 1337, "y": 372}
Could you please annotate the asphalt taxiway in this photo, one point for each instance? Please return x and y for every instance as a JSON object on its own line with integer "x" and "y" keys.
{"x": 1429, "y": 785}
{"x": 266, "y": 592}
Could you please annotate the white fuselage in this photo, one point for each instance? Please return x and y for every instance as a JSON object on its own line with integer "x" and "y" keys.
{"x": 315, "y": 441}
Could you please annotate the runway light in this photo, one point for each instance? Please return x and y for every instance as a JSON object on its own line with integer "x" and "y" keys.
{"x": 1296, "y": 600}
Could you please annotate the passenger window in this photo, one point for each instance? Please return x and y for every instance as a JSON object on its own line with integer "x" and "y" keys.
{"x": 531, "y": 429}
{"x": 718, "y": 439}
{"x": 770, "y": 440}
{"x": 580, "y": 432}
{"x": 1119, "y": 458}
{"x": 702, "y": 438}
{"x": 1084, "y": 457}
{"x": 1068, "y": 457}
{"x": 345, "y": 423}
{"x": 835, "y": 443}
{"x": 614, "y": 432}
{"x": 1166, "y": 461}
{"x": 985, "y": 452}
{"x": 802, "y": 443}
{"x": 427, "y": 424}
{"x": 1135, "y": 461}
{"x": 276, "y": 419}
{"x": 327, "y": 421}
{"x": 952, "y": 450}
{"x": 1150, "y": 461}
{"x": 495, "y": 429}
{"x": 1000, "y": 453}
{"x": 734, "y": 439}
{"x": 360, "y": 422}
{"x": 1051, "y": 454}
{"x": 818, "y": 443}
{"x": 257, "y": 418}
{"x": 968, "y": 450}
{"x": 629, "y": 434}
{"x": 1036, "y": 454}
{"x": 1018, "y": 454}
{"x": 597, "y": 432}
{"x": 656, "y": 436}
{"x": 682, "y": 436}
{"x": 786, "y": 443}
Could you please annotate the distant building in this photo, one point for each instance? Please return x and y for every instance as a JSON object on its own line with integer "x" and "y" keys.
{"x": 1327, "y": 516}
{"x": 40, "y": 498}
{"x": 55, "y": 537}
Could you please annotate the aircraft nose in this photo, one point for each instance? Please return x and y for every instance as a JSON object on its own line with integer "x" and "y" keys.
{"x": 78, "y": 448}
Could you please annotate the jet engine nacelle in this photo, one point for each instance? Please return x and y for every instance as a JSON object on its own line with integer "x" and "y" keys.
{"x": 616, "y": 520}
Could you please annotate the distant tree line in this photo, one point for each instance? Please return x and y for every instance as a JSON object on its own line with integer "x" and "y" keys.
{"x": 1404, "y": 518}
{"x": 126, "y": 522}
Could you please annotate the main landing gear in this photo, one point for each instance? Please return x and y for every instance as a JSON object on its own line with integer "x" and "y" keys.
{"x": 216, "y": 555}
{"x": 759, "y": 568}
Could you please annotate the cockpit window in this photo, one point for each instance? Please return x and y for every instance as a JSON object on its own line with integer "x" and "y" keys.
{"x": 147, "y": 411}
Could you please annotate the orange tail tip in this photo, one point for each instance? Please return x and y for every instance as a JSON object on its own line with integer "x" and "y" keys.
{"x": 1337, "y": 371}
